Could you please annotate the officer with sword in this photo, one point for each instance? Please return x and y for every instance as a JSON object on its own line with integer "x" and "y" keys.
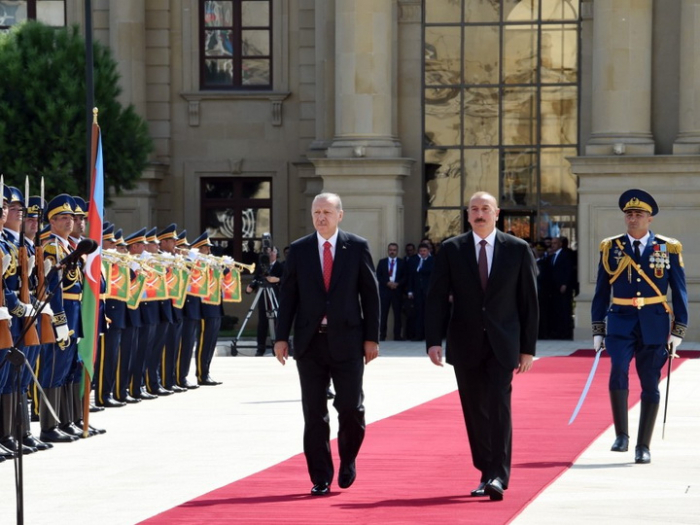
{"x": 632, "y": 317}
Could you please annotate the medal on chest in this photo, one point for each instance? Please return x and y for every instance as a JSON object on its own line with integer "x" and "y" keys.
{"x": 658, "y": 260}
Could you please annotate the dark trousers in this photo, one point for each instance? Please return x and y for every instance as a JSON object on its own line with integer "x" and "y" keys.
{"x": 155, "y": 356}
{"x": 127, "y": 350}
{"x": 263, "y": 325}
{"x": 55, "y": 364}
{"x": 648, "y": 359}
{"x": 560, "y": 315}
{"x": 485, "y": 394}
{"x": 172, "y": 349}
{"x": 316, "y": 369}
{"x": 137, "y": 366}
{"x": 106, "y": 364}
{"x": 207, "y": 346}
{"x": 191, "y": 330}
{"x": 391, "y": 299}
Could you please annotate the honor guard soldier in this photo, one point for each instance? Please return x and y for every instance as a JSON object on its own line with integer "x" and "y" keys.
{"x": 191, "y": 330}
{"x": 78, "y": 233}
{"x": 108, "y": 349}
{"x": 212, "y": 312}
{"x": 143, "y": 323}
{"x": 57, "y": 361}
{"x": 30, "y": 345}
{"x": 130, "y": 336}
{"x": 173, "y": 329}
{"x": 163, "y": 315}
{"x": 637, "y": 269}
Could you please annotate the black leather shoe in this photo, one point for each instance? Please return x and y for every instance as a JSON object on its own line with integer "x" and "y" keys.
{"x": 208, "y": 381}
{"x": 642, "y": 455}
{"x": 321, "y": 489}
{"x": 479, "y": 491}
{"x": 621, "y": 444}
{"x": 144, "y": 395}
{"x": 176, "y": 389}
{"x": 96, "y": 408}
{"x": 160, "y": 391}
{"x": 72, "y": 430}
{"x": 55, "y": 435}
{"x": 494, "y": 490}
{"x": 347, "y": 475}
{"x": 6, "y": 453}
{"x": 12, "y": 445}
{"x": 30, "y": 441}
{"x": 110, "y": 402}
{"x": 329, "y": 394}
{"x": 189, "y": 386}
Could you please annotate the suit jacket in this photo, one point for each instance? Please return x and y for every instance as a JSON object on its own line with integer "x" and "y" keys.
{"x": 351, "y": 304}
{"x": 616, "y": 259}
{"x": 383, "y": 275}
{"x": 506, "y": 313}
{"x": 418, "y": 280}
{"x": 563, "y": 270}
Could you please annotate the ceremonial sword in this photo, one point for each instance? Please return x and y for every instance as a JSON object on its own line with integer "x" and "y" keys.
{"x": 588, "y": 383}
{"x": 671, "y": 355}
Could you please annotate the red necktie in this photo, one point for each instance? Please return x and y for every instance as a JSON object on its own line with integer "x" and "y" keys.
{"x": 483, "y": 265}
{"x": 327, "y": 264}
{"x": 391, "y": 268}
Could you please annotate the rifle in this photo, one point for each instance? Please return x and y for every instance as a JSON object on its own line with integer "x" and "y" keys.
{"x": 31, "y": 337}
{"x": 47, "y": 334}
{"x": 5, "y": 334}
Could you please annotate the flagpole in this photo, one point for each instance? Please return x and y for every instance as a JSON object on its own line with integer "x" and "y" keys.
{"x": 89, "y": 88}
{"x": 87, "y": 380}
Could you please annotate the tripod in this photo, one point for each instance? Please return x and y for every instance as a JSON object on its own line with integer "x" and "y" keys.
{"x": 271, "y": 307}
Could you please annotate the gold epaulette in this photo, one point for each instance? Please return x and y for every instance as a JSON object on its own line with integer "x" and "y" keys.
{"x": 605, "y": 244}
{"x": 672, "y": 245}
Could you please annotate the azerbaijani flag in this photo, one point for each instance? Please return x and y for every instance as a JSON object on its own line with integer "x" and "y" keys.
{"x": 90, "y": 305}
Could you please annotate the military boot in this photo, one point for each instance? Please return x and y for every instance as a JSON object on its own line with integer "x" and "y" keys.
{"x": 647, "y": 418}
{"x": 618, "y": 400}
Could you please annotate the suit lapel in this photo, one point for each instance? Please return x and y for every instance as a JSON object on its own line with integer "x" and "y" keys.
{"x": 315, "y": 267}
{"x": 498, "y": 264}
{"x": 340, "y": 259}
{"x": 470, "y": 254}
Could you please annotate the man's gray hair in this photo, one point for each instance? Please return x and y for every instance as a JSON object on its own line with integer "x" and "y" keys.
{"x": 331, "y": 197}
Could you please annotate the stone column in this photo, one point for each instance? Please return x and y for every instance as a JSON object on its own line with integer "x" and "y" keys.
{"x": 363, "y": 163}
{"x": 365, "y": 72}
{"x": 688, "y": 140}
{"x": 127, "y": 39}
{"x": 324, "y": 32}
{"x": 622, "y": 52}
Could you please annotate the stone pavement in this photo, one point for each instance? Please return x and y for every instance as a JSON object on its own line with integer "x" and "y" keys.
{"x": 161, "y": 453}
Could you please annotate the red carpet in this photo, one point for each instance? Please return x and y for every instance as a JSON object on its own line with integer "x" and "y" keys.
{"x": 415, "y": 467}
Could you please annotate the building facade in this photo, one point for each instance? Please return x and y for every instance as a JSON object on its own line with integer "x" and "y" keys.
{"x": 405, "y": 108}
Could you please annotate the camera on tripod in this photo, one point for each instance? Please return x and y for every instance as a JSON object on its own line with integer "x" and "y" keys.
{"x": 263, "y": 267}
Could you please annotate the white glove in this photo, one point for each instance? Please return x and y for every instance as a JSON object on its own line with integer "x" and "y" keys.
{"x": 227, "y": 259}
{"x": 62, "y": 332}
{"x": 47, "y": 310}
{"x": 30, "y": 264}
{"x": 47, "y": 266}
{"x": 28, "y": 309}
{"x": 145, "y": 256}
{"x": 675, "y": 343}
{"x": 193, "y": 255}
{"x": 597, "y": 342}
{"x": 4, "y": 314}
{"x": 6, "y": 259}
{"x": 135, "y": 267}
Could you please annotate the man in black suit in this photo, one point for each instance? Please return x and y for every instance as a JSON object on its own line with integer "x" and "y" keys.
{"x": 329, "y": 295}
{"x": 391, "y": 275}
{"x": 418, "y": 278}
{"x": 492, "y": 331}
{"x": 562, "y": 281}
{"x": 272, "y": 275}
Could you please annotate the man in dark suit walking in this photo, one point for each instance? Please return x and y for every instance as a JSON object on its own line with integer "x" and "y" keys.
{"x": 329, "y": 294}
{"x": 492, "y": 331}
{"x": 391, "y": 275}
